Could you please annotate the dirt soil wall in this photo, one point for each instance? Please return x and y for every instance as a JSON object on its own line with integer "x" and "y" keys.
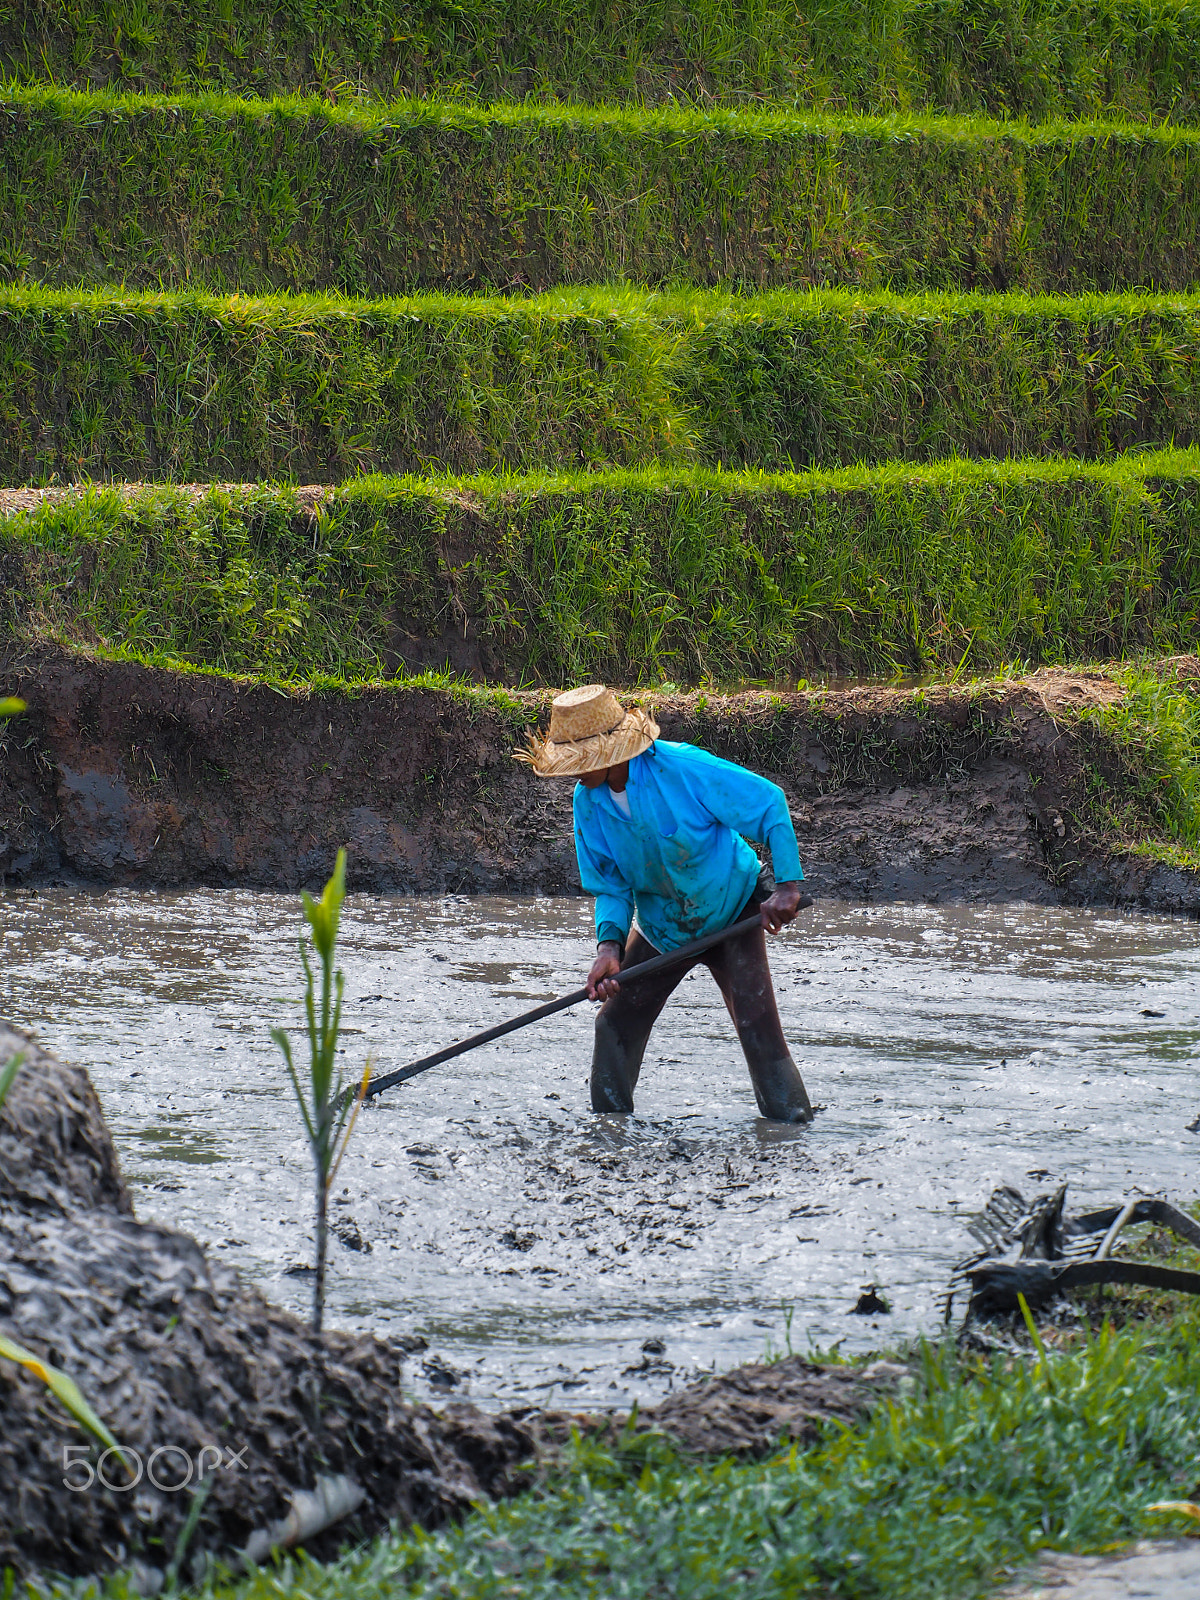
{"x": 125, "y": 774}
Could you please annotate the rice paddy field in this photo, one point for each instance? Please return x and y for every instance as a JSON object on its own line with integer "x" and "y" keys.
{"x": 673, "y": 345}
{"x": 640, "y": 576}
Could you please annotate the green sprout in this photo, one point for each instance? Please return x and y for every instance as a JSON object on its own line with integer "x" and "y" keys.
{"x": 64, "y": 1389}
{"x": 329, "y": 1112}
{"x": 8, "y": 1074}
{"x": 10, "y": 706}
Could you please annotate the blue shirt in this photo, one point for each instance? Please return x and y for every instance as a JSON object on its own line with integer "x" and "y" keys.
{"x": 679, "y": 855}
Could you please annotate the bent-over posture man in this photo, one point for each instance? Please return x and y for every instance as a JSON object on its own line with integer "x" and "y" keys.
{"x": 659, "y": 827}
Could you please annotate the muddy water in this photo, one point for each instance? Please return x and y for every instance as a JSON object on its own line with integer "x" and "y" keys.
{"x": 537, "y": 1246}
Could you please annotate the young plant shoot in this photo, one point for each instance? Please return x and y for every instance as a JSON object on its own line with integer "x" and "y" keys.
{"x": 8, "y": 1074}
{"x": 329, "y": 1112}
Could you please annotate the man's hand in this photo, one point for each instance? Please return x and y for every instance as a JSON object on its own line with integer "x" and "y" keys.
{"x": 600, "y": 980}
{"x": 779, "y": 908}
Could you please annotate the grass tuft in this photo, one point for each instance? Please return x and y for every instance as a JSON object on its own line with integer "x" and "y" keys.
{"x": 634, "y": 577}
{"x": 1147, "y": 789}
{"x": 301, "y": 194}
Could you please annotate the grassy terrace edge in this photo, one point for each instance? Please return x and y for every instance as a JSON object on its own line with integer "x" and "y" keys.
{"x": 206, "y": 191}
{"x": 636, "y": 577}
{"x": 107, "y": 384}
{"x": 1052, "y": 57}
{"x": 914, "y": 1504}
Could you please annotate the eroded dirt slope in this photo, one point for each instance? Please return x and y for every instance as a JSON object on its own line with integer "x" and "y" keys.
{"x": 121, "y": 773}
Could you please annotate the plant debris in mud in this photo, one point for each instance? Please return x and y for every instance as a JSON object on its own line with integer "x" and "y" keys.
{"x": 1034, "y": 1252}
{"x": 1152, "y": 1246}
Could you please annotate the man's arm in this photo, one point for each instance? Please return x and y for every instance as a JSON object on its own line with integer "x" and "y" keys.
{"x": 601, "y": 877}
{"x": 756, "y": 807}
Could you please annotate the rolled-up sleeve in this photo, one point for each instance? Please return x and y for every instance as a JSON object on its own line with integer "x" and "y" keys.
{"x": 752, "y": 806}
{"x": 601, "y": 877}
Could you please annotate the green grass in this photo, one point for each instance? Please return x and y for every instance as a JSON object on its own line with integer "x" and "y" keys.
{"x": 100, "y": 384}
{"x": 633, "y": 577}
{"x": 218, "y": 193}
{"x": 186, "y": 387}
{"x": 830, "y": 378}
{"x": 1145, "y": 789}
{"x": 937, "y": 1495}
{"x": 1036, "y": 58}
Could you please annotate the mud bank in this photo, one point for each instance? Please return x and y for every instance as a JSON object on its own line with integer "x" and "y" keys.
{"x": 125, "y": 774}
{"x": 178, "y": 1356}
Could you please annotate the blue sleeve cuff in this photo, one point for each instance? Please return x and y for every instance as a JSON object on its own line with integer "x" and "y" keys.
{"x": 609, "y": 933}
{"x": 785, "y": 854}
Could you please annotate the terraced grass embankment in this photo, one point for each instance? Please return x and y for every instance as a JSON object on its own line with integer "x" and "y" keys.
{"x": 1047, "y": 58}
{"x": 107, "y": 385}
{"x": 214, "y": 193}
{"x": 635, "y": 578}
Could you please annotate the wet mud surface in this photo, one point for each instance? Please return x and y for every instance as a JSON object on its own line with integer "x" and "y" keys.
{"x": 231, "y": 1410}
{"x": 545, "y": 1254}
{"x": 123, "y": 774}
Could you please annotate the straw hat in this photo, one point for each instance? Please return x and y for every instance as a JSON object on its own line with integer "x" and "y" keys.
{"x": 589, "y": 729}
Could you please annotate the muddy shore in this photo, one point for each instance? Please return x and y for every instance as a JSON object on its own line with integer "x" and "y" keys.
{"x": 179, "y": 1356}
{"x": 125, "y": 774}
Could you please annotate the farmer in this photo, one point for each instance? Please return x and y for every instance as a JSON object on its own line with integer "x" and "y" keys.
{"x": 659, "y": 826}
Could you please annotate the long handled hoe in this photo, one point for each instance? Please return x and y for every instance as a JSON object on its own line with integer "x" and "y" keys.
{"x": 630, "y": 975}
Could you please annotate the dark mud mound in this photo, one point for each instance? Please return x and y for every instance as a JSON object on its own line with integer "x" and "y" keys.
{"x": 179, "y": 1358}
{"x": 126, "y": 774}
{"x": 748, "y": 1411}
{"x": 56, "y": 1154}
